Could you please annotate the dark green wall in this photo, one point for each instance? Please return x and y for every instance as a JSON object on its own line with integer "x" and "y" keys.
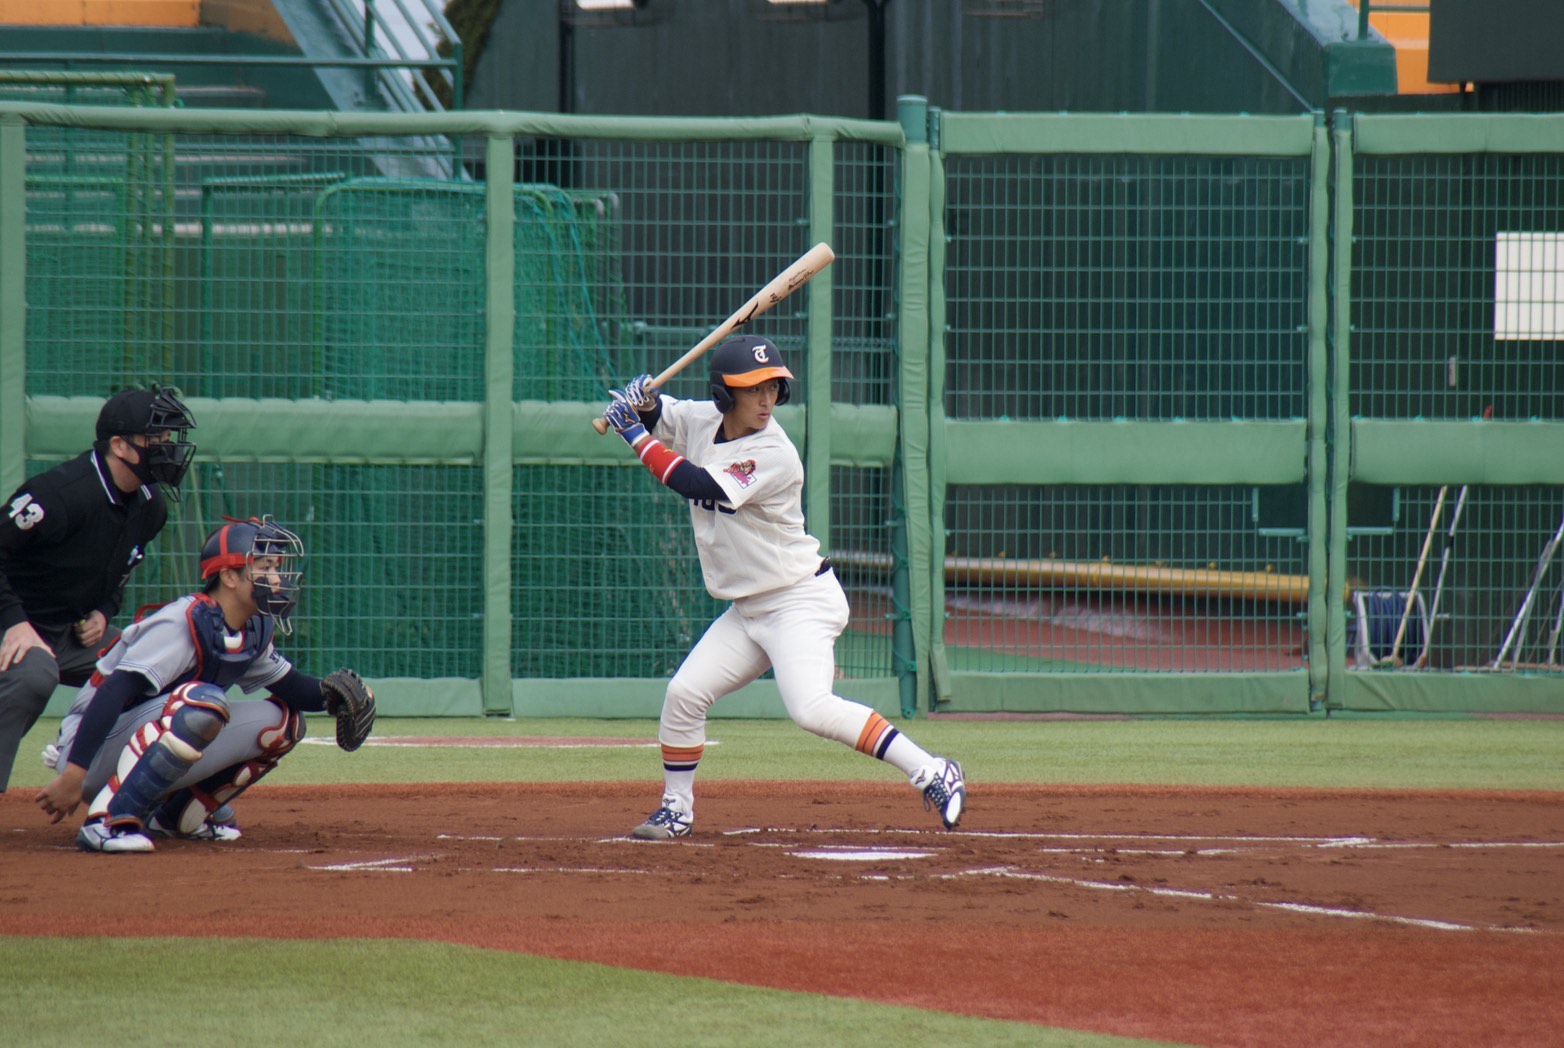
{"x": 732, "y": 58}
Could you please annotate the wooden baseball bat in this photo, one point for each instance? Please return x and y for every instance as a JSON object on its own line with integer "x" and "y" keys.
{"x": 782, "y": 285}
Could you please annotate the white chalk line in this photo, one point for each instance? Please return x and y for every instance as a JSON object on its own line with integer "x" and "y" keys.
{"x": 560, "y": 869}
{"x": 1389, "y": 845}
{"x": 1353, "y": 846}
{"x": 401, "y": 865}
{"x": 374, "y": 865}
{"x": 1169, "y": 852}
{"x": 1202, "y": 896}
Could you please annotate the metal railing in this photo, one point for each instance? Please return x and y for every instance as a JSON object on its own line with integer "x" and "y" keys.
{"x": 370, "y": 29}
{"x": 381, "y": 53}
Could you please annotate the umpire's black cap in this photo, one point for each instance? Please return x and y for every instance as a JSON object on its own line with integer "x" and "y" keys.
{"x": 132, "y": 411}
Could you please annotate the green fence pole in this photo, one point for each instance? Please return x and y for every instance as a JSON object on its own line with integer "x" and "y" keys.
{"x": 1320, "y": 584}
{"x": 939, "y": 665}
{"x": 498, "y": 453}
{"x": 911, "y": 543}
{"x": 13, "y": 304}
{"x": 1340, "y": 419}
{"x": 817, "y": 408}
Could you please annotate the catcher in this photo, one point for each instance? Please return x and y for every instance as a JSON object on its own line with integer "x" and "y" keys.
{"x": 152, "y": 743}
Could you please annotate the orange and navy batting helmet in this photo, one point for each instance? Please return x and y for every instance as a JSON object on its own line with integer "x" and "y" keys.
{"x": 746, "y": 361}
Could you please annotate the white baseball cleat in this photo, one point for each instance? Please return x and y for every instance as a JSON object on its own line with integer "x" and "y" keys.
{"x": 100, "y": 837}
{"x": 209, "y": 830}
{"x": 944, "y": 790}
{"x": 666, "y": 823}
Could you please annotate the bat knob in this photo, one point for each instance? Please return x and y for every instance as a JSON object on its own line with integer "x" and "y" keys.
{"x": 601, "y": 425}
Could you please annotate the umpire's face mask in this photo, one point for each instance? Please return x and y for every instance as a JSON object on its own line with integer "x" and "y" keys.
{"x": 162, "y": 459}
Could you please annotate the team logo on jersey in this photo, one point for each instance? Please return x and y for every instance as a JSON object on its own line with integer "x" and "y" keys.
{"x": 743, "y": 472}
{"x": 26, "y": 513}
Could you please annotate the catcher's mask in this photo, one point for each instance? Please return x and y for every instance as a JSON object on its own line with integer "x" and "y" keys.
{"x": 239, "y": 543}
{"x": 746, "y": 361}
{"x": 153, "y": 413}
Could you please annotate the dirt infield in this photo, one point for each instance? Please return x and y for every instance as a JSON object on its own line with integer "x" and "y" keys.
{"x": 1215, "y": 917}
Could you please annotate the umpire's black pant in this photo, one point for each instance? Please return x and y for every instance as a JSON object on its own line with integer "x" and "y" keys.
{"x": 26, "y": 686}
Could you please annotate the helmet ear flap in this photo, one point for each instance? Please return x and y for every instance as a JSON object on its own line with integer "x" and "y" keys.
{"x": 784, "y": 391}
{"x": 722, "y": 396}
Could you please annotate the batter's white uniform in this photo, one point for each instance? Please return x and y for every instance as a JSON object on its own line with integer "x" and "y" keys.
{"x": 786, "y": 613}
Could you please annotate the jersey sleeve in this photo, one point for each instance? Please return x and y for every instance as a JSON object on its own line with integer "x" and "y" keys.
{"x": 754, "y": 471}
{"x": 159, "y": 647}
{"x": 269, "y": 667}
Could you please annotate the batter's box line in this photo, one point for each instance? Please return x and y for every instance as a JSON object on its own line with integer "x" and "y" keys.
{"x": 563, "y": 869}
{"x": 1199, "y": 896}
{"x": 559, "y": 839}
{"x": 866, "y": 831}
{"x": 376, "y": 865}
{"x": 1247, "y": 839}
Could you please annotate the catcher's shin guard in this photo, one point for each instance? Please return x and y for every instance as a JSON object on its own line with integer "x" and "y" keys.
{"x": 160, "y": 752}
{"x": 187, "y": 809}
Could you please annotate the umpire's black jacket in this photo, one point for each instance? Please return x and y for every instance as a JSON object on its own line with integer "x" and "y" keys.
{"x": 68, "y": 541}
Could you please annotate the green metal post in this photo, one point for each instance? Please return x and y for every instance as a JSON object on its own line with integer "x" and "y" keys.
{"x": 370, "y": 72}
{"x": 1320, "y": 584}
{"x": 498, "y": 430}
{"x": 817, "y": 406}
{"x": 910, "y": 542}
{"x": 13, "y": 304}
{"x": 939, "y": 666}
{"x": 1340, "y": 418}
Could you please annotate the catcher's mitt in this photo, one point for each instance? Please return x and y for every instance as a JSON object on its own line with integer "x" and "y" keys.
{"x": 349, "y": 700}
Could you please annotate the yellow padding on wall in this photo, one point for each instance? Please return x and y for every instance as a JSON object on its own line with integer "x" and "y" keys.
{"x": 173, "y": 13}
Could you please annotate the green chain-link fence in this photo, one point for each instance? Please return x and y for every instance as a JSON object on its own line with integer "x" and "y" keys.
{"x": 1098, "y": 413}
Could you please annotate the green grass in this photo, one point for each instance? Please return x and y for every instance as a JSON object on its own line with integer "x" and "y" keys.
{"x": 1358, "y": 753}
{"x": 376, "y": 992}
{"x": 421, "y": 993}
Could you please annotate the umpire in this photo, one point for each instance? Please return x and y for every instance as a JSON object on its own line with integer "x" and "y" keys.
{"x": 69, "y": 539}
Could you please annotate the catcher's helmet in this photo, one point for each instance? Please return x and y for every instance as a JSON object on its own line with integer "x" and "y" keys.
{"x": 152, "y": 412}
{"x": 240, "y": 542}
{"x": 746, "y": 361}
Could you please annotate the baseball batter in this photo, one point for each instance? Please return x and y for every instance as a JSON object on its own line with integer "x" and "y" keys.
{"x": 744, "y": 481}
{"x": 152, "y": 741}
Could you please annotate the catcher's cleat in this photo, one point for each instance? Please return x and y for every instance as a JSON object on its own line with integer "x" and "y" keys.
{"x": 210, "y": 829}
{"x": 944, "y": 790}
{"x": 101, "y": 837}
{"x": 666, "y": 823}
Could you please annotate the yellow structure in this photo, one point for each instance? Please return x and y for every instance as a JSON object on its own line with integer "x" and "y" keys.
{"x": 1407, "y": 32}
{"x": 179, "y": 14}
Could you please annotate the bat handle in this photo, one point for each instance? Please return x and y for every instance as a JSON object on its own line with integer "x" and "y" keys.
{"x": 600, "y": 424}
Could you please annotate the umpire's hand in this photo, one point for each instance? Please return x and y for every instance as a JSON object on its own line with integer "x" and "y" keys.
{"x": 90, "y": 629}
{"x": 18, "y": 641}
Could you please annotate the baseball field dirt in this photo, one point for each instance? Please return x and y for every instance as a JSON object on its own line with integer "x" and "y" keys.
{"x": 1207, "y": 916}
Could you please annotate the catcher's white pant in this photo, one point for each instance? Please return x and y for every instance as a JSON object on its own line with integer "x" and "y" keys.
{"x": 249, "y": 723}
{"x": 791, "y": 630}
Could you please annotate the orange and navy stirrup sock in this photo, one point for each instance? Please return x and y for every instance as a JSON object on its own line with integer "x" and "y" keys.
{"x": 681, "y": 758}
{"x": 876, "y": 737}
